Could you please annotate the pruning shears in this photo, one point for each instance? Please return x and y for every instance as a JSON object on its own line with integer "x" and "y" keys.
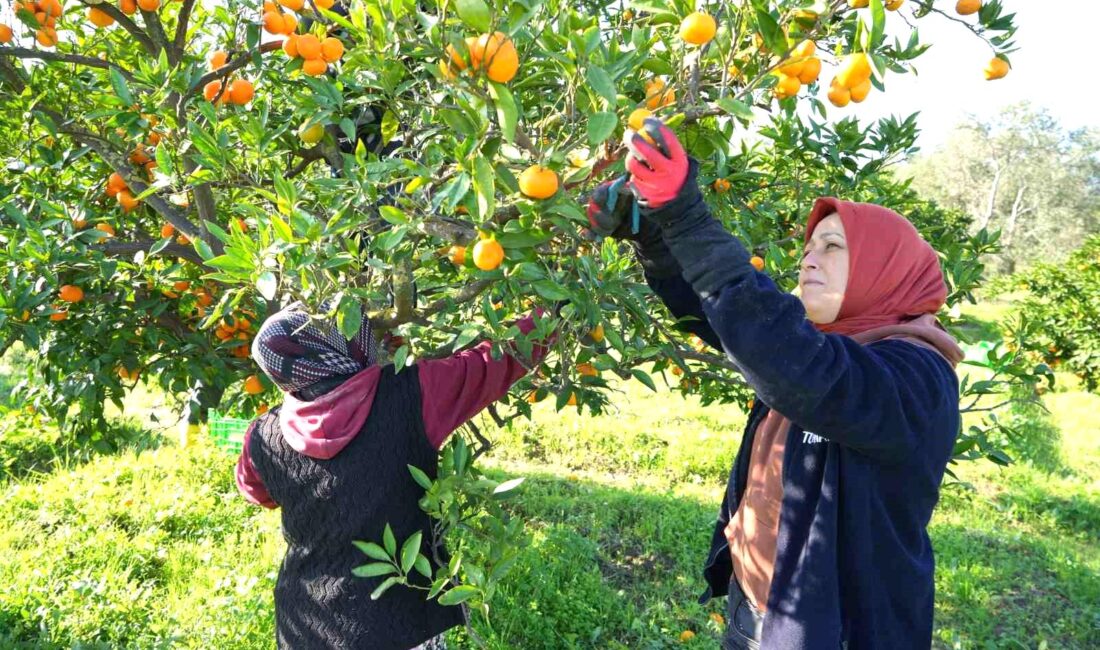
{"x": 613, "y": 198}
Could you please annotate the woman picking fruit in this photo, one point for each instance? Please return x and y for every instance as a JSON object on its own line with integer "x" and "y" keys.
{"x": 335, "y": 456}
{"x": 821, "y": 540}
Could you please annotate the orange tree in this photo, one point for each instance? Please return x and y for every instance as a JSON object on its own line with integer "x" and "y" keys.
{"x": 176, "y": 170}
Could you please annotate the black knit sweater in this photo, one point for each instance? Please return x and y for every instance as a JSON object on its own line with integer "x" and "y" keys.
{"x": 326, "y": 504}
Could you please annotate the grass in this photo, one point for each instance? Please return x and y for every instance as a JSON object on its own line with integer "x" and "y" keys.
{"x": 153, "y": 548}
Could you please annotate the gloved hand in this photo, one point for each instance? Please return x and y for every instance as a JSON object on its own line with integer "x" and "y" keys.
{"x": 657, "y": 164}
{"x": 648, "y": 244}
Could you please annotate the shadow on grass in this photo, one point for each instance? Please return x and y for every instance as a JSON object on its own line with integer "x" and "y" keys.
{"x": 1037, "y": 440}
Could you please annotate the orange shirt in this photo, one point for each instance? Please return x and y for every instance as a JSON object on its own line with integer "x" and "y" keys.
{"x": 753, "y": 530}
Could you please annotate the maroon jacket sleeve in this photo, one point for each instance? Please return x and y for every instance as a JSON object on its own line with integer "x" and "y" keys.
{"x": 248, "y": 479}
{"x": 456, "y": 388}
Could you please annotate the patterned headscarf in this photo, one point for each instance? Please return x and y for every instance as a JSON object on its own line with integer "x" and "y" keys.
{"x": 297, "y": 351}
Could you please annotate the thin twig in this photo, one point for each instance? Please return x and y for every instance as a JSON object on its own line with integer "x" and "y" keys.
{"x": 44, "y": 55}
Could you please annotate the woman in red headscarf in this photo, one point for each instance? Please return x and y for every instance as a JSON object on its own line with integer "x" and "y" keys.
{"x": 821, "y": 540}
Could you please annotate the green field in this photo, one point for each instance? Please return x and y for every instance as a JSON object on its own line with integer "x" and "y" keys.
{"x": 148, "y": 545}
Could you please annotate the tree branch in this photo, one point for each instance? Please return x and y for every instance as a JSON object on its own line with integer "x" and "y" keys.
{"x": 116, "y": 248}
{"x": 12, "y": 76}
{"x": 467, "y": 293}
{"x": 156, "y": 30}
{"x": 44, "y": 55}
{"x": 127, "y": 24}
{"x": 182, "y": 21}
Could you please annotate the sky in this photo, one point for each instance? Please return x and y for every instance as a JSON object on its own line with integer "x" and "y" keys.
{"x": 1051, "y": 69}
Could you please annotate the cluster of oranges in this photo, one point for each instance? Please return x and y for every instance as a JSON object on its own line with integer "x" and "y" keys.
{"x": 852, "y": 82}
{"x": 101, "y": 18}
{"x": 237, "y": 327}
{"x": 45, "y": 12}
{"x": 488, "y": 253}
{"x": 315, "y": 53}
{"x": 801, "y": 68}
{"x": 239, "y": 91}
{"x": 494, "y": 54}
{"x": 891, "y": 5}
{"x": 120, "y": 191}
{"x": 656, "y": 95}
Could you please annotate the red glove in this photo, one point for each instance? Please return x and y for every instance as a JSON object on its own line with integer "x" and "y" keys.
{"x": 657, "y": 171}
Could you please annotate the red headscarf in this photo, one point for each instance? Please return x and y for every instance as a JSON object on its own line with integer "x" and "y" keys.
{"x": 895, "y": 285}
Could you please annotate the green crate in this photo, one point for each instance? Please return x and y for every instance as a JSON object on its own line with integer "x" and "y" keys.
{"x": 228, "y": 433}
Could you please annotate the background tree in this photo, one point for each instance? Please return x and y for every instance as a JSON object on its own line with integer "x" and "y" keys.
{"x": 1022, "y": 173}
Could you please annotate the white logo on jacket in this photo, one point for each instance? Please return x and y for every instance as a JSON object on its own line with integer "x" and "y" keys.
{"x": 811, "y": 438}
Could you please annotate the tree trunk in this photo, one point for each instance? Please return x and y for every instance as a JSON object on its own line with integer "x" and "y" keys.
{"x": 991, "y": 204}
{"x": 202, "y": 399}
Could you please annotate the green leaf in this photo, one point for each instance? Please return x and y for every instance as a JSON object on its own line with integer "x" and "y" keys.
{"x": 474, "y": 13}
{"x": 389, "y": 541}
{"x": 507, "y": 112}
{"x": 349, "y": 317}
{"x": 118, "y": 82}
{"x": 601, "y": 82}
{"x": 771, "y": 31}
{"x": 524, "y": 239}
{"x": 459, "y": 594}
{"x": 735, "y": 108}
{"x": 282, "y": 228}
{"x": 878, "y": 25}
{"x": 508, "y": 486}
{"x": 374, "y": 569}
{"x": 423, "y": 567}
{"x": 400, "y": 357}
{"x": 389, "y": 127}
{"x": 601, "y": 126}
{"x": 484, "y": 186}
{"x": 420, "y": 477}
{"x": 551, "y": 290}
{"x": 644, "y": 377}
{"x": 204, "y": 250}
{"x": 377, "y": 593}
{"x": 410, "y": 550}
{"x": 372, "y": 550}
{"x": 267, "y": 284}
{"x": 348, "y": 127}
{"x": 393, "y": 215}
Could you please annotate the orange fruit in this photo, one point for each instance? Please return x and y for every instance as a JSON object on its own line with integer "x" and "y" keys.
{"x": 181, "y": 285}
{"x": 79, "y": 223}
{"x": 572, "y": 400}
{"x": 324, "y": 4}
{"x": 115, "y": 184}
{"x": 893, "y": 5}
{"x": 787, "y": 87}
{"x": 5, "y": 34}
{"x": 59, "y": 314}
{"x": 290, "y": 23}
{"x": 153, "y": 139}
{"x": 205, "y": 300}
{"x": 488, "y": 254}
{"x": 262, "y": 408}
{"x": 127, "y": 201}
{"x": 686, "y": 635}
{"x": 241, "y": 351}
{"x": 677, "y": 370}
{"x": 698, "y": 28}
{"x": 252, "y": 385}
{"x": 538, "y": 182}
{"x": 106, "y": 228}
{"x": 99, "y": 18}
{"x": 637, "y": 118}
{"x": 967, "y": 7}
{"x": 587, "y": 369}
{"x": 126, "y": 374}
{"x": 839, "y": 95}
{"x": 332, "y": 49}
{"x": 657, "y": 96}
{"x": 52, "y": 8}
{"x": 46, "y": 37}
{"x": 241, "y": 92}
{"x": 71, "y": 293}
{"x": 293, "y": 5}
{"x": 314, "y": 67}
{"x": 290, "y": 46}
{"x": 183, "y": 240}
{"x": 532, "y": 397}
{"x": 757, "y": 262}
{"x": 149, "y": 5}
{"x": 597, "y": 334}
{"x": 859, "y": 4}
{"x": 273, "y": 22}
{"x": 25, "y": 316}
{"x": 860, "y": 92}
{"x": 458, "y": 60}
{"x": 855, "y": 69}
{"x": 309, "y": 47}
{"x": 213, "y": 90}
{"x": 721, "y": 185}
{"x": 128, "y": 7}
{"x": 138, "y": 155}
{"x": 811, "y": 70}
{"x": 997, "y": 68}
{"x": 457, "y": 255}
{"x": 217, "y": 60}
{"x": 496, "y": 54}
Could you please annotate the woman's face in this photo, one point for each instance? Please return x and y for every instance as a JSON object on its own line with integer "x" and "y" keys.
{"x": 823, "y": 276}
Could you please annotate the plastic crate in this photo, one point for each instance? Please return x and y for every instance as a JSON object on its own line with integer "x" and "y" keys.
{"x": 228, "y": 433}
